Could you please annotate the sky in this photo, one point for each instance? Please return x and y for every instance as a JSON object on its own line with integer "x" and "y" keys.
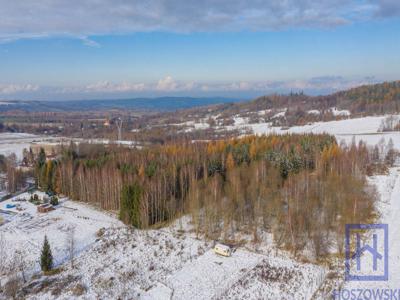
{"x": 108, "y": 49}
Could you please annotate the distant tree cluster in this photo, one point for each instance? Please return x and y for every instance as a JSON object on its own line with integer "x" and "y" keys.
{"x": 372, "y": 99}
{"x": 44, "y": 170}
{"x": 390, "y": 123}
{"x": 15, "y": 176}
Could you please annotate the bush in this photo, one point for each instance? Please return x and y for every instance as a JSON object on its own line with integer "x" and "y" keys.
{"x": 34, "y": 199}
{"x": 11, "y": 287}
{"x": 54, "y": 200}
{"x": 100, "y": 232}
{"x": 78, "y": 290}
{"x": 53, "y": 272}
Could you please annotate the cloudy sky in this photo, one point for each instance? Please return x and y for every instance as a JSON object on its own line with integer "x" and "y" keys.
{"x": 83, "y": 49}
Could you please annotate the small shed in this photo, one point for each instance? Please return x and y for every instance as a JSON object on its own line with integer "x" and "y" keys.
{"x": 44, "y": 208}
{"x": 223, "y": 250}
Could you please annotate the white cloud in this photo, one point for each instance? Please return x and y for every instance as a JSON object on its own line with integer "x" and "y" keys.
{"x": 89, "y": 42}
{"x": 166, "y": 84}
{"x": 323, "y": 83}
{"x": 17, "y": 88}
{"x": 85, "y": 18}
{"x": 169, "y": 86}
{"x": 108, "y": 87}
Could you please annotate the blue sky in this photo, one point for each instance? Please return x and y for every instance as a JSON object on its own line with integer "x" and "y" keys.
{"x": 70, "y": 50}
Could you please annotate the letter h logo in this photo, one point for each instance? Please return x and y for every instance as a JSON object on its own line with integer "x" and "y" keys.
{"x": 371, "y": 262}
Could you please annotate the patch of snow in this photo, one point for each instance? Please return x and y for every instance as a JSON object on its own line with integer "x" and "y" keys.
{"x": 192, "y": 125}
{"x": 279, "y": 114}
{"x": 340, "y": 113}
{"x": 276, "y": 278}
{"x": 264, "y": 112}
{"x": 314, "y": 112}
{"x": 240, "y": 121}
{"x": 211, "y": 275}
{"x": 159, "y": 291}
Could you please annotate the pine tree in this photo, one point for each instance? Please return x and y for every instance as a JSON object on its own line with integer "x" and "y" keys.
{"x": 46, "y": 258}
{"x": 130, "y": 204}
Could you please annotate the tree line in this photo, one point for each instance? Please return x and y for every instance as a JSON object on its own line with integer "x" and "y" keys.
{"x": 300, "y": 187}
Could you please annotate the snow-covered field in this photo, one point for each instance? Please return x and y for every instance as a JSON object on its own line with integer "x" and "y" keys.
{"x": 113, "y": 261}
{"x": 16, "y": 143}
{"x": 170, "y": 263}
{"x": 24, "y": 229}
{"x": 366, "y": 129}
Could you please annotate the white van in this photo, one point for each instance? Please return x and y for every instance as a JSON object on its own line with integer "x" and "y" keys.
{"x": 222, "y": 250}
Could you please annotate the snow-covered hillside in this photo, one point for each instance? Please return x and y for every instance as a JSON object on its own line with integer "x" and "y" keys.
{"x": 367, "y": 129}
{"x": 172, "y": 264}
{"x": 114, "y": 261}
{"x": 24, "y": 228}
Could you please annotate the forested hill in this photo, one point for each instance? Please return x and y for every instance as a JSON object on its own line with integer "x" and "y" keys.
{"x": 370, "y": 99}
{"x": 376, "y": 98}
{"x": 298, "y": 108}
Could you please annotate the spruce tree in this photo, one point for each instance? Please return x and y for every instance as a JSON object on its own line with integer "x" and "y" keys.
{"x": 130, "y": 204}
{"x": 46, "y": 258}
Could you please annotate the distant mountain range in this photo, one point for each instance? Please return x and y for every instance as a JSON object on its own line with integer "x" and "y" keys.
{"x": 368, "y": 99}
{"x": 140, "y": 104}
{"x": 299, "y": 108}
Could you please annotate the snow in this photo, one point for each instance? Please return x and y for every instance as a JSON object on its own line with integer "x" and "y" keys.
{"x": 277, "y": 278}
{"x": 192, "y": 125}
{"x": 25, "y": 229}
{"x": 264, "y": 112}
{"x": 340, "y": 113}
{"x": 366, "y": 129}
{"x": 211, "y": 275}
{"x": 240, "y": 120}
{"x": 16, "y": 143}
{"x": 349, "y": 126}
{"x": 159, "y": 291}
{"x": 314, "y": 112}
{"x": 279, "y": 114}
{"x": 388, "y": 187}
{"x": 171, "y": 263}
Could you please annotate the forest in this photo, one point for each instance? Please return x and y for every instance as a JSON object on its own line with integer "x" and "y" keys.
{"x": 299, "y": 187}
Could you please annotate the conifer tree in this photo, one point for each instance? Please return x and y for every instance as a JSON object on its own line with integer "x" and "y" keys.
{"x": 46, "y": 258}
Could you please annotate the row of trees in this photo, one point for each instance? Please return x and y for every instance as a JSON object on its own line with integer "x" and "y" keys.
{"x": 301, "y": 187}
{"x": 15, "y": 176}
